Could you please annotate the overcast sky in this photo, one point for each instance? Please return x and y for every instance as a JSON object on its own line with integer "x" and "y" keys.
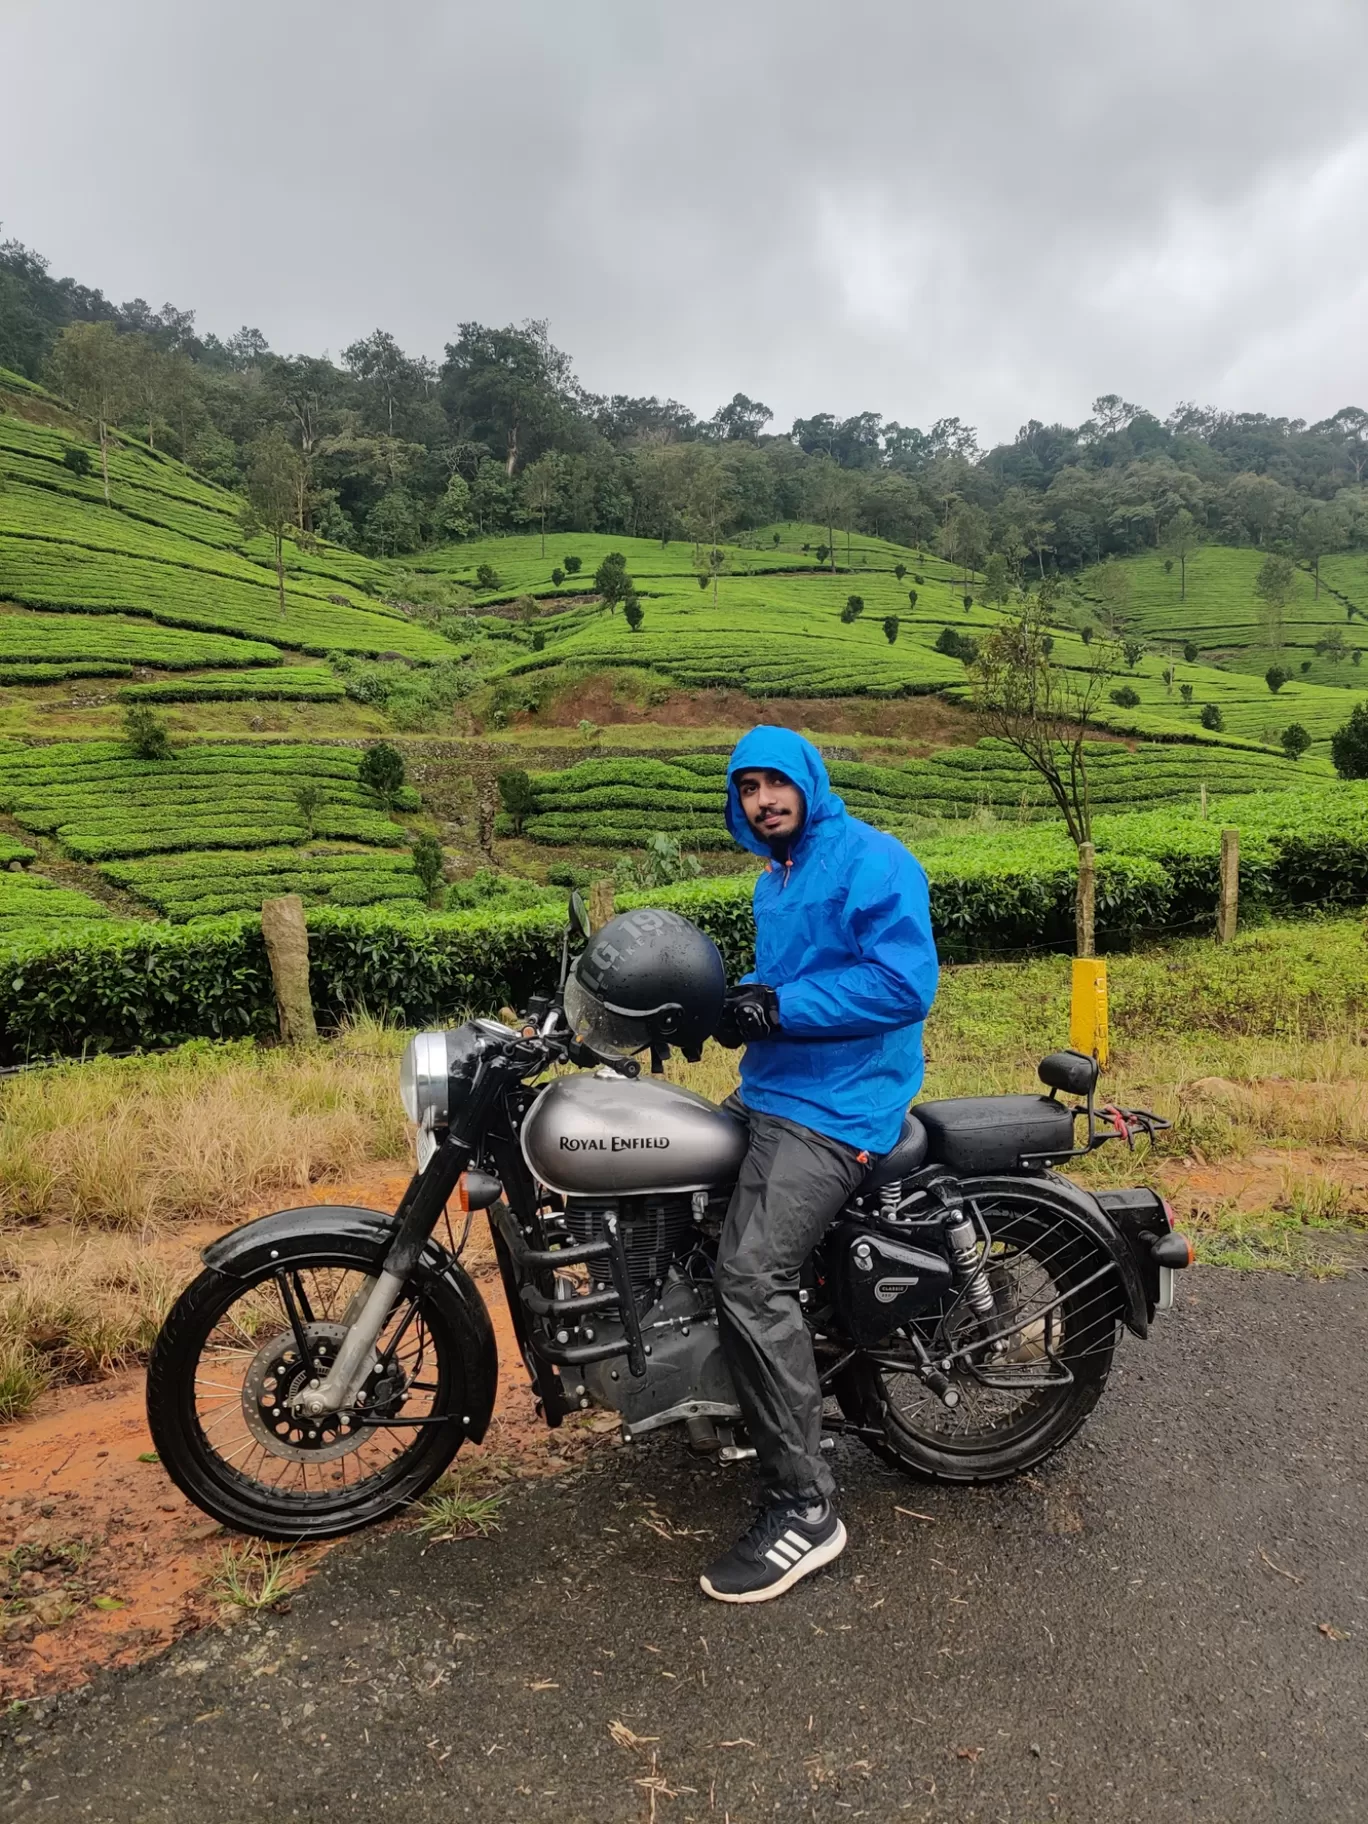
{"x": 997, "y": 209}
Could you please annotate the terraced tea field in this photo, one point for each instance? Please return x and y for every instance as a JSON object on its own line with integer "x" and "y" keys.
{"x": 619, "y": 802}
{"x": 232, "y": 815}
{"x": 170, "y": 547}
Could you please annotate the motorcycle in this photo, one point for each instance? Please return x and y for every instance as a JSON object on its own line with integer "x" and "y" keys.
{"x": 328, "y": 1363}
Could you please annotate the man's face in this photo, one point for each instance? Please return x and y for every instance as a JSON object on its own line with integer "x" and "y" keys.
{"x": 772, "y": 803}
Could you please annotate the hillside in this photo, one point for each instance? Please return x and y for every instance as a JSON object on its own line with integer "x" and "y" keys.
{"x": 467, "y": 656}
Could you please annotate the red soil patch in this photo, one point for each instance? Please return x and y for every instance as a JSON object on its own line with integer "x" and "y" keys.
{"x": 71, "y": 1476}
{"x": 924, "y": 723}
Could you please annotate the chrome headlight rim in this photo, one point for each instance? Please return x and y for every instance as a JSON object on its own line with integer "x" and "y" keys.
{"x": 425, "y": 1079}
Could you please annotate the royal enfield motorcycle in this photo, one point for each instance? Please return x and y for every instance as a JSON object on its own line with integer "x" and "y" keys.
{"x": 329, "y": 1362}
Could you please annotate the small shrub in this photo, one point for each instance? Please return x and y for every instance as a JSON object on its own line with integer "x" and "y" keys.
{"x": 1126, "y": 697}
{"x": 823, "y": 553}
{"x": 1086, "y": 635}
{"x": 427, "y": 865}
{"x": 1185, "y": 692}
{"x": 538, "y": 640}
{"x": 573, "y": 565}
{"x": 565, "y": 874}
{"x": 1212, "y": 718}
{"x": 957, "y": 645}
{"x": 147, "y": 734}
{"x": 76, "y": 457}
{"x": 890, "y": 628}
{"x": 1305, "y": 665}
{"x": 633, "y": 613}
{"x": 1275, "y": 677}
{"x": 911, "y": 598}
{"x": 517, "y": 795}
{"x": 557, "y": 576}
{"x": 308, "y": 795}
{"x": 1168, "y": 566}
{"x": 1190, "y": 652}
{"x": 917, "y": 579}
{"x": 382, "y": 771}
{"x": 853, "y": 609}
{"x": 486, "y": 577}
{"x": 968, "y": 602}
{"x": 1295, "y": 740}
{"x": 1349, "y": 745}
{"x": 1133, "y": 651}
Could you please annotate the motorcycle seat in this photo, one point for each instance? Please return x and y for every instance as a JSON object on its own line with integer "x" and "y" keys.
{"x": 972, "y": 1134}
{"x": 908, "y": 1154}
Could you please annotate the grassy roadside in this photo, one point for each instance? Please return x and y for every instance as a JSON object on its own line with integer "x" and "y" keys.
{"x": 1258, "y": 1052}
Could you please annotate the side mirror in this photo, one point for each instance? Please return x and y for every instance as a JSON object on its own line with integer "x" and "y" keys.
{"x": 579, "y": 915}
{"x": 1070, "y": 1071}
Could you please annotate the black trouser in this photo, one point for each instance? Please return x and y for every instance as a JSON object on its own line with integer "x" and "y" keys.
{"x": 793, "y": 1182}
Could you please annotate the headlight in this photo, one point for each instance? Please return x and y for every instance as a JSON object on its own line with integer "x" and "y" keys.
{"x": 424, "y": 1074}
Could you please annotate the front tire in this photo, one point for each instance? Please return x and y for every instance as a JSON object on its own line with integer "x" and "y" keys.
{"x": 1060, "y": 1361}
{"x": 226, "y": 1361}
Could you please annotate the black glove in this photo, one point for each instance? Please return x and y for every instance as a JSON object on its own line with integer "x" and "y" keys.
{"x": 749, "y": 1012}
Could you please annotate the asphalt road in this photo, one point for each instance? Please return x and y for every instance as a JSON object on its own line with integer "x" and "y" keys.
{"x": 1107, "y": 1640}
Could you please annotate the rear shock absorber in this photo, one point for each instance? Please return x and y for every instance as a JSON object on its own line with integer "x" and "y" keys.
{"x": 962, "y": 1242}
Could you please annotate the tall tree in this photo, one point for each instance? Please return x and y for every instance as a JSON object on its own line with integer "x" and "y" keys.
{"x": 271, "y": 486}
{"x": 1273, "y": 586}
{"x": 511, "y": 383}
{"x": 1182, "y": 535}
{"x": 1042, "y": 709}
{"x": 90, "y": 368}
{"x": 391, "y": 378}
{"x": 824, "y": 498}
{"x": 1322, "y": 529}
{"x": 740, "y": 418}
{"x": 542, "y": 485}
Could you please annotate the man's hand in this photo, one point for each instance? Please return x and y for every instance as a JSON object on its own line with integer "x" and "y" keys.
{"x": 750, "y": 1012}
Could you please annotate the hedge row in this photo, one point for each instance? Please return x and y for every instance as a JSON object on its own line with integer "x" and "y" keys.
{"x": 287, "y": 683}
{"x": 208, "y": 884}
{"x": 57, "y": 674}
{"x": 152, "y": 985}
{"x": 53, "y": 638}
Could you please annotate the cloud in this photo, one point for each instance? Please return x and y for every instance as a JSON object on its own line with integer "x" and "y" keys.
{"x": 997, "y": 211}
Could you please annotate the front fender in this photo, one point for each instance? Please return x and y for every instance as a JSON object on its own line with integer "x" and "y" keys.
{"x": 1080, "y": 1209}
{"x": 346, "y": 1235}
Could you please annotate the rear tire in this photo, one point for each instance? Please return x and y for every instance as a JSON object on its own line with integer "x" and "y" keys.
{"x": 996, "y": 1432}
{"x": 225, "y": 1345}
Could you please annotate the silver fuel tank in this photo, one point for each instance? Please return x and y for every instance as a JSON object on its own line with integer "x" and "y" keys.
{"x": 603, "y": 1135}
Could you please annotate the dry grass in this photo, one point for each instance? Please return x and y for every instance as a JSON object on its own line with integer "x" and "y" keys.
{"x": 141, "y": 1143}
{"x": 75, "y": 1313}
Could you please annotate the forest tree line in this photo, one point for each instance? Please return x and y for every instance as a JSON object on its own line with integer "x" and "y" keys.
{"x": 387, "y": 452}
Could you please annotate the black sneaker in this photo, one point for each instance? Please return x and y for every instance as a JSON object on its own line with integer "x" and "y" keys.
{"x": 786, "y": 1542}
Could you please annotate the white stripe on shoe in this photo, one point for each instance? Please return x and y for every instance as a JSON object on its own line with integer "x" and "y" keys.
{"x": 788, "y": 1553}
{"x": 812, "y": 1560}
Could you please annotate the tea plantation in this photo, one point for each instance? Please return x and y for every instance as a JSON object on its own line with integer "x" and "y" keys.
{"x": 618, "y": 802}
{"x": 215, "y": 808}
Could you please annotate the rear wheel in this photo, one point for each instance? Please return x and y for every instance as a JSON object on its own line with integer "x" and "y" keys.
{"x": 1019, "y": 1399}
{"x": 234, "y": 1352}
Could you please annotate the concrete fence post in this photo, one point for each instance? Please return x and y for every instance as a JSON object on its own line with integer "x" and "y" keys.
{"x": 287, "y": 946}
{"x": 600, "y": 904}
{"x": 1228, "y": 912}
{"x": 1087, "y": 899}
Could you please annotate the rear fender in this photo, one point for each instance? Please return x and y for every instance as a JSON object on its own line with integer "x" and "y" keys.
{"x": 1086, "y": 1215}
{"x": 345, "y": 1235}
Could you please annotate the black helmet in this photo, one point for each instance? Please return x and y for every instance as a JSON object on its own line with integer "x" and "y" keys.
{"x": 648, "y": 977}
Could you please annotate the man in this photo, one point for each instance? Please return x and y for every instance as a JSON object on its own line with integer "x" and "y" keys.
{"x": 831, "y": 1018}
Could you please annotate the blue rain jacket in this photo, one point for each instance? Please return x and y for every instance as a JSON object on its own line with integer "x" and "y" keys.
{"x": 843, "y": 934}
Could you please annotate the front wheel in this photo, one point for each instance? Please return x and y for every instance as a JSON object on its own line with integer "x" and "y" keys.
{"x": 233, "y": 1353}
{"x": 1021, "y": 1397}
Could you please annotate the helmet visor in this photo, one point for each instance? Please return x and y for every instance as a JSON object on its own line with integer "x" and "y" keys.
{"x": 612, "y": 1035}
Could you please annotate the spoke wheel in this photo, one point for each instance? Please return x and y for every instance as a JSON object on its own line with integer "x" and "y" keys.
{"x": 234, "y": 1355}
{"x": 1020, "y": 1397}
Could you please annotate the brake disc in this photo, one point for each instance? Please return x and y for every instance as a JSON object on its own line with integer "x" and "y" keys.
{"x": 278, "y": 1374}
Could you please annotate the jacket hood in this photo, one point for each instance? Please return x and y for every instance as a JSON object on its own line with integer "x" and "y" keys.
{"x": 780, "y": 751}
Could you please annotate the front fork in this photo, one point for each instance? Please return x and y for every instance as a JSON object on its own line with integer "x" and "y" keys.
{"x": 417, "y": 1216}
